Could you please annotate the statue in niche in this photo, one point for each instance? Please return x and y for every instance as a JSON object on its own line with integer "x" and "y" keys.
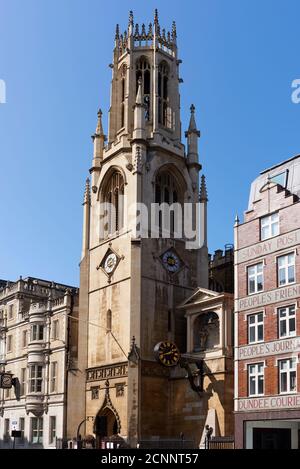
{"x": 206, "y": 332}
{"x": 203, "y": 336}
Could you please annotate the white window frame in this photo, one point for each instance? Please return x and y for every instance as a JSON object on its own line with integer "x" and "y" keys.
{"x": 286, "y": 320}
{"x": 255, "y": 325}
{"x": 254, "y": 277}
{"x": 292, "y": 368}
{"x": 286, "y": 266}
{"x": 269, "y": 223}
{"x": 39, "y": 430}
{"x": 256, "y": 374}
{"x": 36, "y": 379}
{"x": 36, "y": 332}
{"x": 53, "y": 376}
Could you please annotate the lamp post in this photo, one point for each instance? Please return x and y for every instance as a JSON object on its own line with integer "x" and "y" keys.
{"x": 78, "y": 437}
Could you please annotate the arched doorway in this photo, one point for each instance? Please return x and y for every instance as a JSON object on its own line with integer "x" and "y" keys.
{"x": 106, "y": 425}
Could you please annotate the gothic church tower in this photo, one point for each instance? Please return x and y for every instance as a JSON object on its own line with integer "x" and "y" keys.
{"x": 132, "y": 283}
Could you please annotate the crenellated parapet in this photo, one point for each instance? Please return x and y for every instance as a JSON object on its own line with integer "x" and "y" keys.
{"x": 152, "y": 35}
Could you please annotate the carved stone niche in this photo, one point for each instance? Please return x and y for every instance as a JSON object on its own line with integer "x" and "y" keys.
{"x": 206, "y": 332}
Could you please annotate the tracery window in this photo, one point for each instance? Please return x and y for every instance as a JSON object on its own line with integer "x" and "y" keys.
{"x": 114, "y": 203}
{"x": 163, "y": 95}
{"x": 143, "y": 73}
{"x": 167, "y": 192}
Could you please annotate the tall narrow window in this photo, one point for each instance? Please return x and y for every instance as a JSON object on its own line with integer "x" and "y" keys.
{"x": 55, "y": 329}
{"x": 286, "y": 269}
{"x": 113, "y": 199}
{"x": 24, "y": 339}
{"x": 122, "y": 102}
{"x": 10, "y": 312}
{"x": 143, "y": 73}
{"x": 167, "y": 192}
{"x": 256, "y": 379}
{"x": 36, "y": 430}
{"x": 287, "y": 375}
{"x": 108, "y": 321}
{"x": 37, "y": 332}
{"x": 9, "y": 343}
{"x": 287, "y": 321}
{"x": 23, "y": 382}
{"x": 52, "y": 430}
{"x": 269, "y": 226}
{"x": 36, "y": 378}
{"x": 53, "y": 377}
{"x": 163, "y": 95}
{"x": 6, "y": 433}
{"x": 255, "y": 328}
{"x": 22, "y": 429}
{"x": 255, "y": 278}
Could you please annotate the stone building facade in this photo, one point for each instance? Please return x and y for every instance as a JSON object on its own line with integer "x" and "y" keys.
{"x": 38, "y": 347}
{"x": 132, "y": 283}
{"x": 267, "y": 321}
{"x": 221, "y": 270}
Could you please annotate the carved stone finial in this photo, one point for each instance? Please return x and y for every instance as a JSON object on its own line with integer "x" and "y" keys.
{"x": 174, "y": 32}
{"x": 203, "y": 190}
{"x": 138, "y": 164}
{"x": 117, "y": 35}
{"x": 156, "y": 16}
{"x": 87, "y": 192}
{"x": 130, "y": 21}
{"x": 134, "y": 355}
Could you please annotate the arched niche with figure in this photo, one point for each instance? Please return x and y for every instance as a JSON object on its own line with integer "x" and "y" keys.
{"x": 206, "y": 332}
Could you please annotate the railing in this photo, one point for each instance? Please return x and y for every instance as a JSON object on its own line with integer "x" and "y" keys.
{"x": 221, "y": 442}
{"x": 167, "y": 444}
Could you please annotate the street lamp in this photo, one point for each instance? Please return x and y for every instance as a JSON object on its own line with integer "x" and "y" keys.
{"x": 78, "y": 437}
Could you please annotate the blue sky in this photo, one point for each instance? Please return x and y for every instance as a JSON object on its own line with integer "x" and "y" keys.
{"x": 239, "y": 60}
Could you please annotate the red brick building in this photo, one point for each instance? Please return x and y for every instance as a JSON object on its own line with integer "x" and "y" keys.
{"x": 267, "y": 314}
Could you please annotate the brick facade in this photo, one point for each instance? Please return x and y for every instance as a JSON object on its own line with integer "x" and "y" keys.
{"x": 272, "y": 404}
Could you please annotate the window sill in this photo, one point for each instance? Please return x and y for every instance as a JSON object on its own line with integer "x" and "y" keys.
{"x": 287, "y": 284}
{"x": 286, "y": 393}
{"x": 255, "y": 293}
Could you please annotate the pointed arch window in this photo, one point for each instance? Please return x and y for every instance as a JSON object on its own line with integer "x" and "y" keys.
{"x": 167, "y": 191}
{"x": 113, "y": 195}
{"x": 143, "y": 72}
{"x": 108, "y": 321}
{"x": 122, "y": 95}
{"x": 163, "y": 95}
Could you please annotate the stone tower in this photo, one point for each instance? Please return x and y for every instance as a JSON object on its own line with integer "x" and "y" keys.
{"x": 133, "y": 277}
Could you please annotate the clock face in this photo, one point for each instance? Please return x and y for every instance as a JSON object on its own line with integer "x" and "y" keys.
{"x": 171, "y": 261}
{"x": 110, "y": 263}
{"x": 167, "y": 353}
